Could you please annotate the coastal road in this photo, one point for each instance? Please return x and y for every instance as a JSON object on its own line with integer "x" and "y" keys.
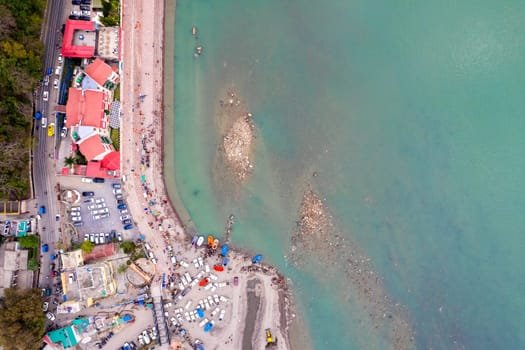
{"x": 43, "y": 166}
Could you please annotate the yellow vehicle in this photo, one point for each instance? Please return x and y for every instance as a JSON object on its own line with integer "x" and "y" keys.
{"x": 269, "y": 338}
{"x": 51, "y": 129}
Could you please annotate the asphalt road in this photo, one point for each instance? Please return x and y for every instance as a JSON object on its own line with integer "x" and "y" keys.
{"x": 43, "y": 169}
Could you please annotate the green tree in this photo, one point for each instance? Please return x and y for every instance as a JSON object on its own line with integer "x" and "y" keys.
{"x": 122, "y": 268}
{"x": 69, "y": 161}
{"x": 87, "y": 246}
{"x": 21, "y": 319}
{"x": 128, "y": 247}
{"x": 30, "y": 241}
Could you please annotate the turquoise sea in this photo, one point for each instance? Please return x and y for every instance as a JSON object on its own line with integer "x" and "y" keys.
{"x": 413, "y": 115}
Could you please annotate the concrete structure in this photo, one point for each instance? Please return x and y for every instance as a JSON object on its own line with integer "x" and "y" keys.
{"x": 13, "y": 267}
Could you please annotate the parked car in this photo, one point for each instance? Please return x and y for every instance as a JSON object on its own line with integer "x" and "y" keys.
{"x": 42, "y": 210}
{"x": 98, "y": 180}
{"x": 87, "y": 180}
{"x": 101, "y": 205}
{"x": 76, "y": 218}
{"x": 60, "y": 58}
{"x": 75, "y": 208}
{"x": 120, "y": 201}
{"x": 105, "y": 215}
{"x": 126, "y": 222}
{"x": 96, "y": 217}
{"x": 86, "y": 236}
{"x": 90, "y": 200}
{"x": 118, "y": 196}
{"x": 45, "y": 306}
{"x": 57, "y": 217}
{"x": 116, "y": 185}
{"x": 45, "y": 96}
{"x": 56, "y": 83}
{"x": 122, "y": 206}
{"x": 92, "y": 237}
{"x": 92, "y": 206}
{"x": 88, "y": 194}
{"x": 124, "y": 217}
{"x": 50, "y": 316}
{"x": 128, "y": 227}
{"x": 51, "y": 129}
{"x": 117, "y": 191}
{"x": 45, "y": 248}
{"x": 123, "y": 211}
{"x": 78, "y": 224}
{"x": 75, "y": 213}
{"x": 100, "y": 200}
{"x": 119, "y": 237}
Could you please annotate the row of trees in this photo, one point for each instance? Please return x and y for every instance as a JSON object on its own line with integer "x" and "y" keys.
{"x": 21, "y": 319}
{"x": 20, "y": 70}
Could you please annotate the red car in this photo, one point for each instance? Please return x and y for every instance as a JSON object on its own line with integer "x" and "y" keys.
{"x": 54, "y": 273}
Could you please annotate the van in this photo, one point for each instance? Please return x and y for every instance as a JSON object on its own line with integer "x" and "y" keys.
{"x": 44, "y": 122}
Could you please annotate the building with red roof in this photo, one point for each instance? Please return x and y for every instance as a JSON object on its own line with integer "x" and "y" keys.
{"x": 102, "y": 74}
{"x": 79, "y": 39}
{"x": 95, "y": 147}
{"x": 86, "y": 108}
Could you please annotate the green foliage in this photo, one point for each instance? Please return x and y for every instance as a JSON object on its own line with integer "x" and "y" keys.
{"x": 80, "y": 159}
{"x": 30, "y": 241}
{"x": 110, "y": 11}
{"x": 69, "y": 161}
{"x": 116, "y": 93}
{"x": 114, "y": 134}
{"x": 20, "y": 70}
{"x": 128, "y": 247}
{"x": 32, "y": 264}
{"x": 87, "y": 246}
{"x": 122, "y": 268}
{"x": 21, "y": 319}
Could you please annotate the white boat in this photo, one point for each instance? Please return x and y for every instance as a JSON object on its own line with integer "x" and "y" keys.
{"x": 200, "y": 241}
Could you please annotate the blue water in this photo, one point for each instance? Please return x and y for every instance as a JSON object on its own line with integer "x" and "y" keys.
{"x": 412, "y": 113}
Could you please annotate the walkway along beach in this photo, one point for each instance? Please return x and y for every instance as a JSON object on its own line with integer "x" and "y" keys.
{"x": 144, "y": 115}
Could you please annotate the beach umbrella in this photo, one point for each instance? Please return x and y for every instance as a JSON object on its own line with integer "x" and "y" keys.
{"x": 208, "y": 326}
{"x": 224, "y": 250}
{"x": 203, "y": 282}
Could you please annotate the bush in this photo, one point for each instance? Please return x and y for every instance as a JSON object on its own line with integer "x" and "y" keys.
{"x": 29, "y": 242}
{"x": 115, "y": 138}
{"x": 87, "y": 246}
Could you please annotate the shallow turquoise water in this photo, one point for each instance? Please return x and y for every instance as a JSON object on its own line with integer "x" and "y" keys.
{"x": 411, "y": 113}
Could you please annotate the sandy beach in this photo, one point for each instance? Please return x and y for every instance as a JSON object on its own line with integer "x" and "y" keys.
{"x": 142, "y": 120}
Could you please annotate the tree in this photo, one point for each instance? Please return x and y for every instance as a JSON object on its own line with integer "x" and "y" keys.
{"x": 69, "y": 161}
{"x": 30, "y": 241}
{"x": 122, "y": 268}
{"x": 21, "y": 319}
{"x": 128, "y": 247}
{"x": 87, "y": 246}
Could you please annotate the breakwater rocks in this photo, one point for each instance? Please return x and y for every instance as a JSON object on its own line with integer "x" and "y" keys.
{"x": 238, "y": 141}
{"x": 319, "y": 247}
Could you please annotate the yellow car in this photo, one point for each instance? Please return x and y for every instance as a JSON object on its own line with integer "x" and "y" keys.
{"x": 51, "y": 129}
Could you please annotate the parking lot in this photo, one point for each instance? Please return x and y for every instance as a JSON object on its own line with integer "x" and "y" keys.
{"x": 98, "y": 213}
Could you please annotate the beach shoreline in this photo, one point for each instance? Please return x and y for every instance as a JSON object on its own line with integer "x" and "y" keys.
{"x": 147, "y": 120}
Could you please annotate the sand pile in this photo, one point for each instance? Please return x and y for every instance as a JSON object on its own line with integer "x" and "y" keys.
{"x": 238, "y": 147}
{"x": 314, "y": 222}
{"x": 239, "y": 138}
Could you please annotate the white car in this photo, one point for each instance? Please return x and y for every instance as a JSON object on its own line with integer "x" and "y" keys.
{"x": 60, "y": 58}
{"x": 221, "y": 315}
{"x": 87, "y": 180}
{"x": 75, "y": 208}
{"x": 56, "y": 83}
{"x": 146, "y": 337}
{"x": 45, "y": 306}
{"x": 75, "y": 213}
{"x": 76, "y": 218}
{"x": 92, "y": 238}
{"x": 86, "y": 237}
{"x": 99, "y": 200}
{"x": 119, "y": 236}
{"x": 50, "y": 316}
{"x": 101, "y": 205}
{"x": 96, "y": 217}
{"x": 92, "y": 206}
{"x": 45, "y": 96}
{"x": 124, "y": 217}
{"x": 117, "y": 191}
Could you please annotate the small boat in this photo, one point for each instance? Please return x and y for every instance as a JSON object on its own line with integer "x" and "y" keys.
{"x": 194, "y": 240}
{"x": 194, "y": 31}
{"x": 203, "y": 282}
{"x": 200, "y": 241}
{"x": 257, "y": 259}
{"x": 210, "y": 241}
{"x": 224, "y": 250}
{"x": 218, "y": 268}
{"x": 215, "y": 244}
{"x": 198, "y": 51}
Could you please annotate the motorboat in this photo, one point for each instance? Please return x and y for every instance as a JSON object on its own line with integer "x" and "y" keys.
{"x": 210, "y": 241}
{"x": 194, "y": 31}
{"x": 215, "y": 244}
{"x": 200, "y": 241}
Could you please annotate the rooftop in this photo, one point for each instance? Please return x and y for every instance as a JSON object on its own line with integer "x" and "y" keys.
{"x": 79, "y": 39}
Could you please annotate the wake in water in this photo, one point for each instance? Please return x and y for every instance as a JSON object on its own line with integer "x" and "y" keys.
{"x": 316, "y": 244}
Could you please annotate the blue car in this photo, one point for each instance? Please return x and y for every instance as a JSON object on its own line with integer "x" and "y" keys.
{"x": 38, "y": 115}
{"x": 42, "y": 210}
{"x": 122, "y": 206}
{"x": 45, "y": 248}
{"x": 49, "y": 71}
{"x": 128, "y": 227}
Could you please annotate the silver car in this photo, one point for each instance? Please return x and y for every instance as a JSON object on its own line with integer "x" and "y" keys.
{"x": 124, "y": 217}
{"x": 76, "y": 218}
